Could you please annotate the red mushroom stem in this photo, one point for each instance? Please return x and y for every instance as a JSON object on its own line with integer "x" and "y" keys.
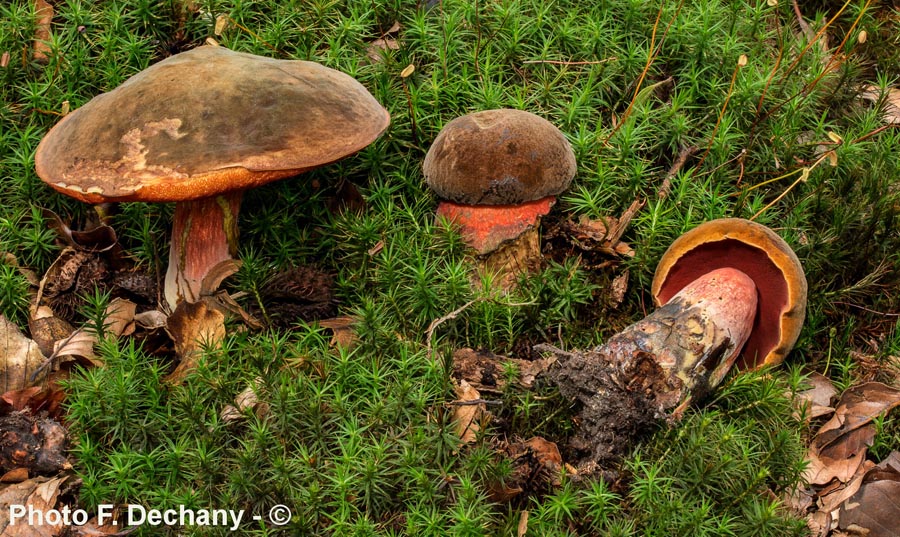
{"x": 204, "y": 234}
{"x": 486, "y": 227}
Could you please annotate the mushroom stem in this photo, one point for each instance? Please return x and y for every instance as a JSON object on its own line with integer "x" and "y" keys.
{"x": 698, "y": 334}
{"x": 680, "y": 351}
{"x": 204, "y": 234}
{"x": 486, "y": 227}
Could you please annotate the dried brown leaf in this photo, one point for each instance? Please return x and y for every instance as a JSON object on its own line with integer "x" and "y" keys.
{"x": 375, "y": 50}
{"x": 858, "y": 406}
{"x": 16, "y": 494}
{"x": 467, "y": 414}
{"x": 875, "y": 508}
{"x": 16, "y": 475}
{"x": 193, "y": 326}
{"x": 891, "y": 113}
{"x": 342, "y": 334}
{"x": 833, "y": 499}
{"x": 816, "y": 400}
{"x": 80, "y": 344}
{"x": 247, "y": 399}
{"x": 20, "y": 357}
{"x": 151, "y": 320}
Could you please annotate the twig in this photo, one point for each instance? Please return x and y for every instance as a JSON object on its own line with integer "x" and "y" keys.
{"x": 455, "y": 313}
{"x": 560, "y": 62}
{"x": 679, "y": 163}
{"x": 857, "y": 306}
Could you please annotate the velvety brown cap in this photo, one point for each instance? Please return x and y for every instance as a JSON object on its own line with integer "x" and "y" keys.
{"x": 208, "y": 121}
{"x": 499, "y": 157}
{"x": 761, "y": 254}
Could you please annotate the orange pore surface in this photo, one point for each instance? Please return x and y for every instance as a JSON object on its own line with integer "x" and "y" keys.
{"x": 486, "y": 227}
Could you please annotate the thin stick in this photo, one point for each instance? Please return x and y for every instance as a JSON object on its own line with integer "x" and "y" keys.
{"x": 868, "y": 310}
{"x": 455, "y": 313}
{"x": 712, "y": 138}
{"x": 679, "y": 163}
{"x": 560, "y": 62}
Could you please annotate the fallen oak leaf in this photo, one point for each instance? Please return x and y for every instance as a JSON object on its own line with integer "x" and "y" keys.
{"x": 875, "y": 508}
{"x": 20, "y": 358}
{"x": 43, "y": 498}
{"x": 858, "y": 406}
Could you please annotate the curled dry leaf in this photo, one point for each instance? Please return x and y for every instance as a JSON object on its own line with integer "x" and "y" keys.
{"x": 468, "y": 411}
{"x": 891, "y": 113}
{"x": 193, "y": 326}
{"x": 118, "y": 321}
{"x": 858, "y": 406}
{"x": 875, "y": 508}
{"x": 245, "y": 400}
{"x": 20, "y": 358}
{"x": 342, "y": 334}
{"x": 16, "y": 475}
{"x": 816, "y": 400}
{"x": 839, "y": 448}
{"x": 38, "y": 494}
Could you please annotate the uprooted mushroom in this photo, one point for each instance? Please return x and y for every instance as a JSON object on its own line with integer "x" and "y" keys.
{"x": 729, "y": 291}
{"x": 198, "y": 129}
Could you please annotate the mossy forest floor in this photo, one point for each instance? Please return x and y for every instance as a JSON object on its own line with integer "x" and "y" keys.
{"x": 678, "y": 112}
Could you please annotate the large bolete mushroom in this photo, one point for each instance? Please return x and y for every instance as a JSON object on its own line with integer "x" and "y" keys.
{"x": 758, "y": 252}
{"x": 497, "y": 172}
{"x": 198, "y": 129}
{"x": 727, "y": 289}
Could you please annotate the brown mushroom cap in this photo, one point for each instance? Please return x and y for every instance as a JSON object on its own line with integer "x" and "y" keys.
{"x": 208, "y": 121}
{"x": 499, "y": 157}
{"x": 761, "y": 254}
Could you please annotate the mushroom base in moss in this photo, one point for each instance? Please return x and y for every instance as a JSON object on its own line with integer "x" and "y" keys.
{"x": 204, "y": 234}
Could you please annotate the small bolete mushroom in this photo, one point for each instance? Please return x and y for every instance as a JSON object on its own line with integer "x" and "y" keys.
{"x": 497, "y": 172}
{"x": 758, "y": 252}
{"x": 199, "y": 128}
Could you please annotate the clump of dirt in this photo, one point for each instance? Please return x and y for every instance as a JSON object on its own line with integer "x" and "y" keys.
{"x": 619, "y": 401}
